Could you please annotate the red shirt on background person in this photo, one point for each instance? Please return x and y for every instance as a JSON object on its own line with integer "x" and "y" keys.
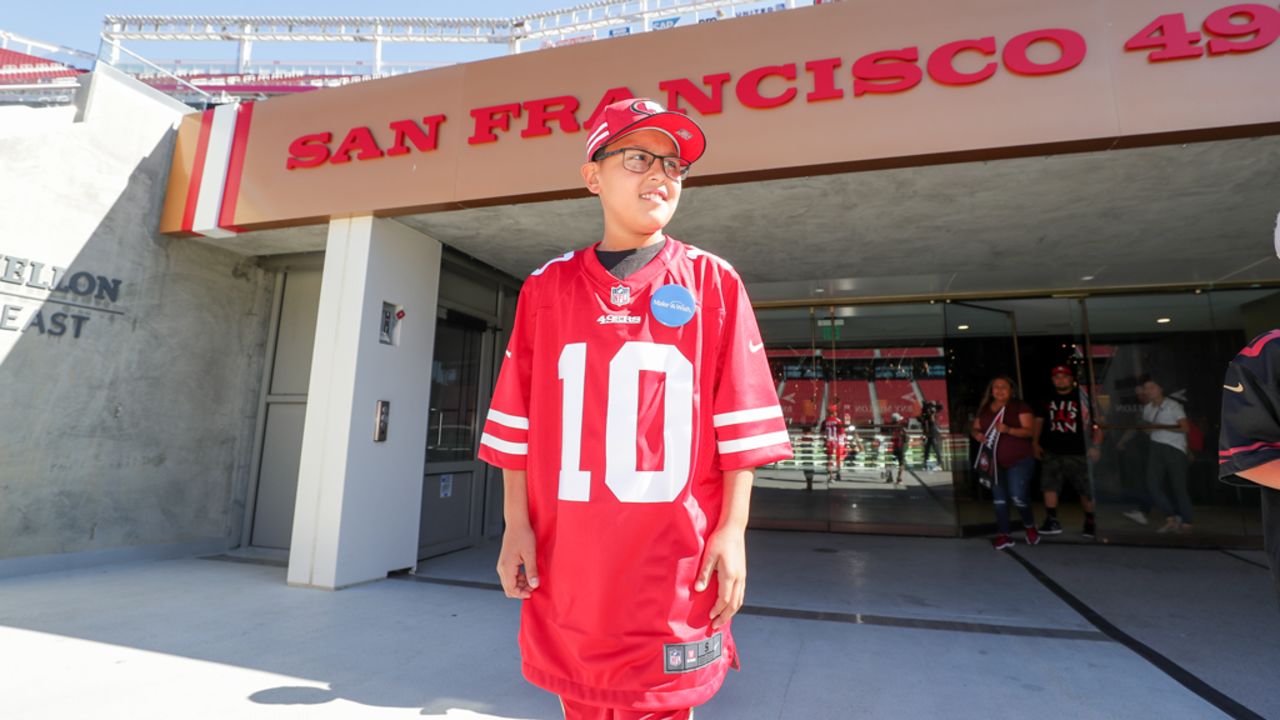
{"x": 1013, "y": 448}
{"x": 1013, "y": 420}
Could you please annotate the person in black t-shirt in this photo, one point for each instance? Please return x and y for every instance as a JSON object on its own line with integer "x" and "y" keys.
{"x": 929, "y": 430}
{"x": 1060, "y": 442}
{"x": 1249, "y": 445}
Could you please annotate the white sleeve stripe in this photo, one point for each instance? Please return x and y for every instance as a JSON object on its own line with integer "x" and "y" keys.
{"x": 511, "y": 421}
{"x": 504, "y": 446}
{"x": 745, "y": 416}
{"x": 753, "y": 442}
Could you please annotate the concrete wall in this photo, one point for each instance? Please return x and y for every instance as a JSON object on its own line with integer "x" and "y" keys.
{"x": 23, "y": 120}
{"x": 358, "y": 501}
{"x": 129, "y": 398}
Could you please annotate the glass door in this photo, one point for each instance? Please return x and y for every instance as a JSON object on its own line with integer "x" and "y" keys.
{"x": 982, "y": 343}
{"x": 453, "y": 484}
{"x": 862, "y": 389}
{"x": 1028, "y": 340}
{"x": 792, "y": 494}
{"x": 1158, "y": 363}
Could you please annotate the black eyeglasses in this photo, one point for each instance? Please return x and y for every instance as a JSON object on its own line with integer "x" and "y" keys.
{"x": 639, "y": 160}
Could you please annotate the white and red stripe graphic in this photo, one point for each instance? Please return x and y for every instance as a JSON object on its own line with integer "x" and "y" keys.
{"x": 216, "y": 171}
{"x": 508, "y": 436}
{"x": 744, "y": 436}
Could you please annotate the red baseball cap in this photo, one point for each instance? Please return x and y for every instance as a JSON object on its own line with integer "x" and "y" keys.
{"x": 627, "y": 116}
{"x": 832, "y": 408}
{"x": 1062, "y": 370}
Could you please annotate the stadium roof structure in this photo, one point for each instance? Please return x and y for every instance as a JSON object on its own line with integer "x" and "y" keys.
{"x": 36, "y": 77}
{"x": 246, "y": 77}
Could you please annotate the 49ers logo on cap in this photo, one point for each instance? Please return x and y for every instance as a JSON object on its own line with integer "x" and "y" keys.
{"x": 647, "y": 107}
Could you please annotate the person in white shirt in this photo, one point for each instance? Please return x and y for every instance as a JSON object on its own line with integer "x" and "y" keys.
{"x": 1166, "y": 422}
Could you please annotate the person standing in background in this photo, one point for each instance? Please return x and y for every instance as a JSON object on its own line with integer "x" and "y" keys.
{"x": 1167, "y": 464}
{"x": 1134, "y": 448}
{"x": 929, "y": 430}
{"x": 1015, "y": 461}
{"x": 833, "y": 432}
{"x": 897, "y": 446}
{"x": 1063, "y": 430}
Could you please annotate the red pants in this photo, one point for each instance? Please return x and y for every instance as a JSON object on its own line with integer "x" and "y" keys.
{"x": 579, "y": 711}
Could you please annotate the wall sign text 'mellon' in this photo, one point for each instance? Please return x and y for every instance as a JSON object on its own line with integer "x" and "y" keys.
{"x": 883, "y": 72}
{"x": 50, "y": 282}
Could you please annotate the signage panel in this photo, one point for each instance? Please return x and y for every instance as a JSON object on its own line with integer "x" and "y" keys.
{"x": 827, "y": 88}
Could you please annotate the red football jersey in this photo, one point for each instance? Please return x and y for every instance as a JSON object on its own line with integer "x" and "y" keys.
{"x": 625, "y": 400}
{"x": 833, "y": 430}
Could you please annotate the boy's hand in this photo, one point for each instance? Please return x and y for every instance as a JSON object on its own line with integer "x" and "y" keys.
{"x": 726, "y": 554}
{"x": 518, "y": 546}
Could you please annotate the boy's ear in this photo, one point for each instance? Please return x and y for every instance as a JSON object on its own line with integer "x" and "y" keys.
{"x": 591, "y": 177}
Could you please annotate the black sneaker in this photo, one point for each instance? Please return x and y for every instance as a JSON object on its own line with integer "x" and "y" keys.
{"x": 1051, "y": 526}
{"x": 1089, "y": 529}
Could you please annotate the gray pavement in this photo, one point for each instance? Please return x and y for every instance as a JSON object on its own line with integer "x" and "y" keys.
{"x": 837, "y": 626}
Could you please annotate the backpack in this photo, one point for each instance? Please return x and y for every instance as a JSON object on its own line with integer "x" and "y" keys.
{"x": 1195, "y": 437}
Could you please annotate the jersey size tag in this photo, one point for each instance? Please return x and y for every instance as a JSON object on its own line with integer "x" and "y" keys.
{"x": 687, "y": 657}
{"x": 672, "y": 305}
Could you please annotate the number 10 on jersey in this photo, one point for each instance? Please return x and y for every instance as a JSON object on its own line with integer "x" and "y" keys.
{"x": 621, "y": 429}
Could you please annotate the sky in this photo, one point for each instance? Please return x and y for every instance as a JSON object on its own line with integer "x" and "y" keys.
{"x": 76, "y": 24}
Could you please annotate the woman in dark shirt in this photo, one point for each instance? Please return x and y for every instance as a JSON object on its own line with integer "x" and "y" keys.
{"x": 1015, "y": 460}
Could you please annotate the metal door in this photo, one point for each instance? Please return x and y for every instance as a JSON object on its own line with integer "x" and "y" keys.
{"x": 283, "y": 409}
{"x": 454, "y": 482}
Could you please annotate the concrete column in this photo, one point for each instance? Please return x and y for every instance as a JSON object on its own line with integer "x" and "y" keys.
{"x": 359, "y": 501}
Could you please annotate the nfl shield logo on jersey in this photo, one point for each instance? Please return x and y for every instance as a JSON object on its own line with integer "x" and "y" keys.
{"x": 675, "y": 660}
{"x": 620, "y": 295}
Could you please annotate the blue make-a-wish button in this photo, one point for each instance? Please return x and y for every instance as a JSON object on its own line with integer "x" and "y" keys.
{"x": 672, "y": 305}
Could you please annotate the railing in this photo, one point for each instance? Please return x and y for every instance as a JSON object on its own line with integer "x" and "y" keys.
{"x": 574, "y": 24}
{"x": 31, "y": 45}
{"x": 117, "y": 48}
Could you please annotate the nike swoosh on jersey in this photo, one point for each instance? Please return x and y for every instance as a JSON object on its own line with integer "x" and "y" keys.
{"x": 1237, "y": 388}
{"x": 508, "y": 352}
{"x": 755, "y": 347}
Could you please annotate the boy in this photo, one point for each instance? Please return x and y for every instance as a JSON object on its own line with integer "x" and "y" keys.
{"x": 631, "y": 409}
